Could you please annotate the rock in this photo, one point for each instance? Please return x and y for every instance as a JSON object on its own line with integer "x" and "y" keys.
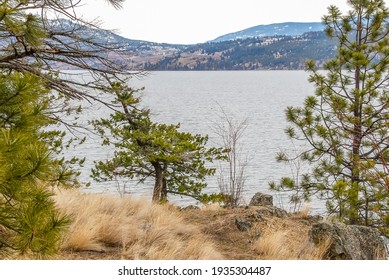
{"x": 349, "y": 242}
{"x": 264, "y": 212}
{"x": 190, "y": 207}
{"x": 279, "y": 213}
{"x": 271, "y": 211}
{"x": 260, "y": 199}
{"x": 243, "y": 224}
{"x": 257, "y": 217}
{"x": 315, "y": 218}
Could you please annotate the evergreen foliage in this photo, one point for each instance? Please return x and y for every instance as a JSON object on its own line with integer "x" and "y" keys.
{"x": 34, "y": 98}
{"x": 143, "y": 148}
{"x": 29, "y": 221}
{"x": 346, "y": 122}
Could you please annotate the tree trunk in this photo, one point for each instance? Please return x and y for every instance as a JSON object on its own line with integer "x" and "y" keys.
{"x": 356, "y": 145}
{"x": 164, "y": 191}
{"x": 158, "y": 186}
{"x": 355, "y": 168}
{"x": 356, "y": 139}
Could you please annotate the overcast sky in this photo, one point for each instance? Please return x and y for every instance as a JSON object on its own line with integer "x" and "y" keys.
{"x": 186, "y": 22}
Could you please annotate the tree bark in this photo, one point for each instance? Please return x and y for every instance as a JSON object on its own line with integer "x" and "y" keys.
{"x": 357, "y": 139}
{"x": 158, "y": 186}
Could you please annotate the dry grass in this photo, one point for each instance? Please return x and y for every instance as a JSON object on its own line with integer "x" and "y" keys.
{"x": 272, "y": 239}
{"x": 128, "y": 229}
{"x": 285, "y": 239}
{"x": 110, "y": 227}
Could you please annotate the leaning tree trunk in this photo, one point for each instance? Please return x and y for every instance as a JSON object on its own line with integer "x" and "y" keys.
{"x": 158, "y": 186}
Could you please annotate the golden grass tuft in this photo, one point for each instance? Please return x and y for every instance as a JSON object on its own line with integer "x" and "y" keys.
{"x": 304, "y": 212}
{"x": 287, "y": 240}
{"x": 140, "y": 229}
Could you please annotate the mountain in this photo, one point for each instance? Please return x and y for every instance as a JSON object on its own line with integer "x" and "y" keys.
{"x": 250, "y": 49}
{"x": 273, "y": 52}
{"x": 108, "y": 37}
{"x": 135, "y": 53}
{"x": 276, "y": 29}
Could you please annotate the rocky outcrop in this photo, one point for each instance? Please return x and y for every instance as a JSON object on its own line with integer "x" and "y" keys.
{"x": 189, "y": 207}
{"x": 349, "y": 242}
{"x": 260, "y": 208}
{"x": 271, "y": 211}
{"x": 261, "y": 199}
{"x": 267, "y": 208}
{"x": 243, "y": 224}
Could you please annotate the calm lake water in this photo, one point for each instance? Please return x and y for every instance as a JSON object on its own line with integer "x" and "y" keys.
{"x": 194, "y": 99}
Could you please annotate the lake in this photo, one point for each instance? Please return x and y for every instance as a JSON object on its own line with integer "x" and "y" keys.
{"x": 195, "y": 100}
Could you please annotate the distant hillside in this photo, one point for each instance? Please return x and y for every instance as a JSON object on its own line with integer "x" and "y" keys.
{"x": 251, "y": 49}
{"x": 110, "y": 38}
{"x": 276, "y": 29}
{"x": 277, "y": 52}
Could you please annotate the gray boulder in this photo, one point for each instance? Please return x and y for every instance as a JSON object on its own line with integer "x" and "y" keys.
{"x": 243, "y": 224}
{"x": 261, "y": 199}
{"x": 271, "y": 211}
{"x": 349, "y": 242}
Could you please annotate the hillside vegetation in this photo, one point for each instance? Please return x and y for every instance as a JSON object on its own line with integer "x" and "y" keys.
{"x": 275, "y": 52}
{"x": 269, "y": 47}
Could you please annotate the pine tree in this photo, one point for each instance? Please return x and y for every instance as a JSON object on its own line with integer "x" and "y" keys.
{"x": 143, "y": 148}
{"x": 29, "y": 220}
{"x": 34, "y": 97}
{"x": 346, "y": 123}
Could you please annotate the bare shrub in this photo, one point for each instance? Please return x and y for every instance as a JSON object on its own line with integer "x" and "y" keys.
{"x": 232, "y": 173}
